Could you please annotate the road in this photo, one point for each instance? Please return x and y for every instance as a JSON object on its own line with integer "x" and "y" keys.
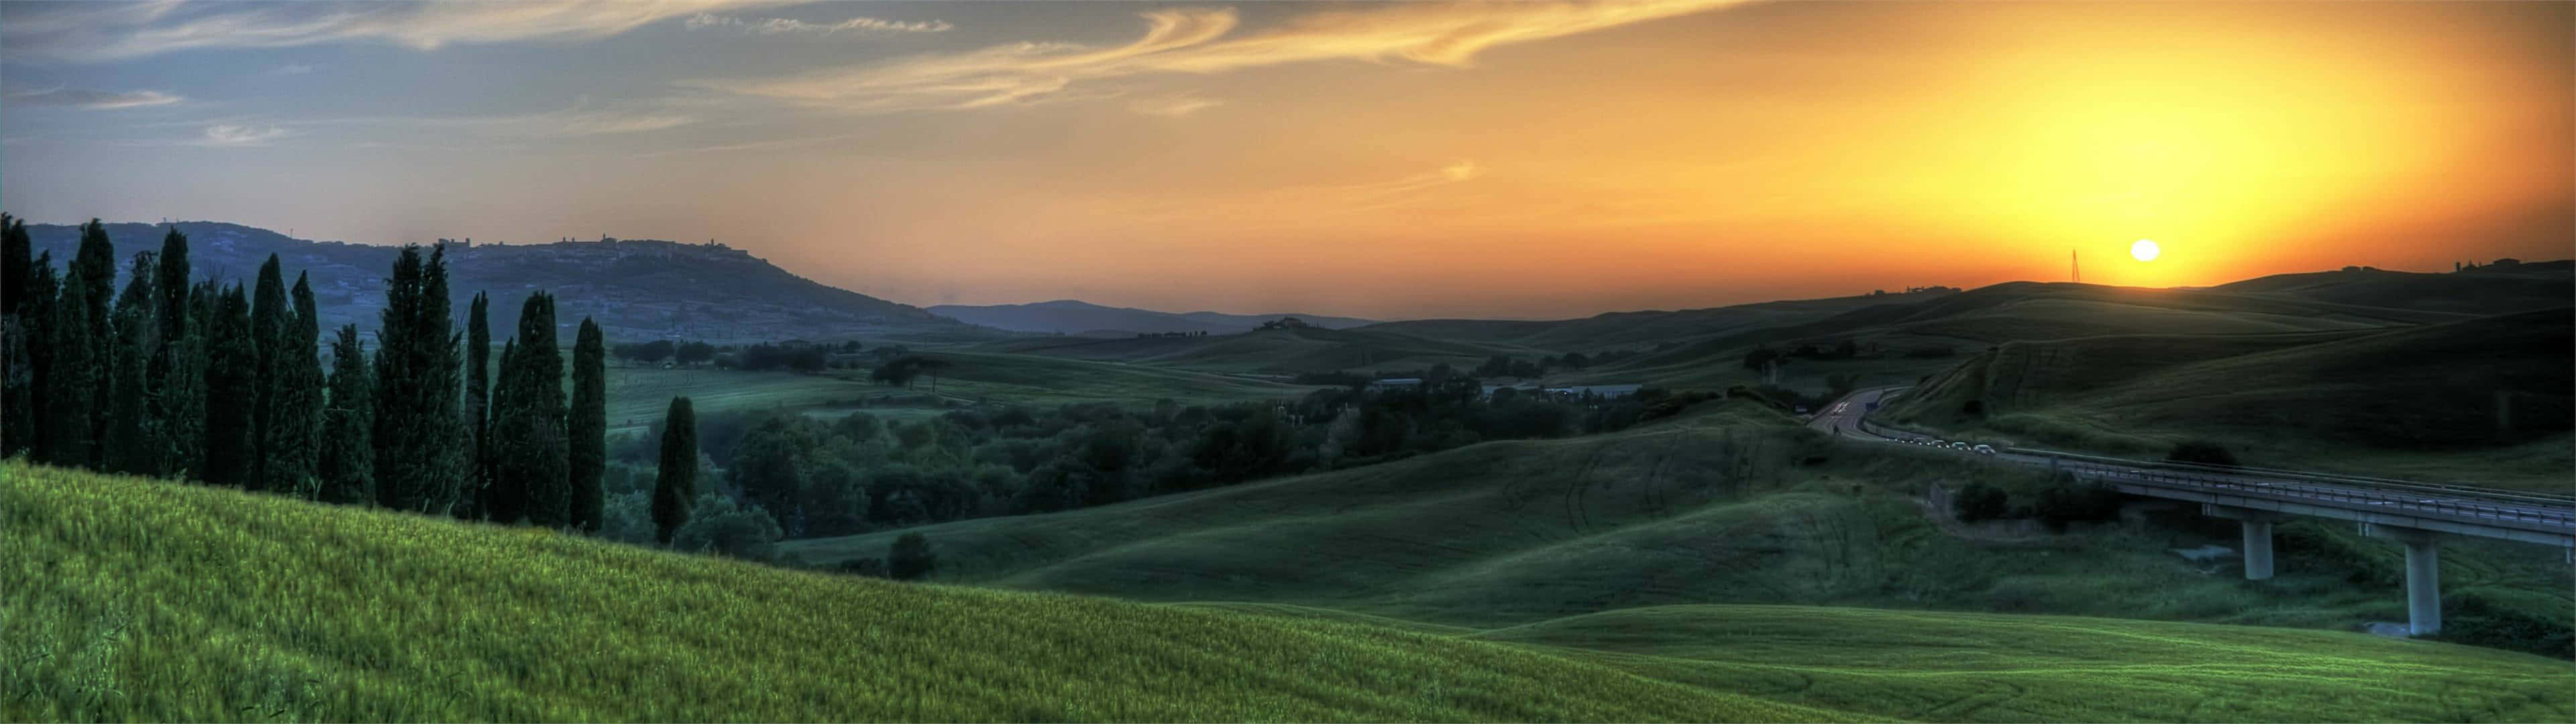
{"x": 2515, "y": 515}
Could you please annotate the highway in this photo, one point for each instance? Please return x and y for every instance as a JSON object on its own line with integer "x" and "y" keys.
{"x": 2506, "y": 514}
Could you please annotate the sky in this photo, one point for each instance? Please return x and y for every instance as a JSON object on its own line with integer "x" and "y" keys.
{"x": 1375, "y": 159}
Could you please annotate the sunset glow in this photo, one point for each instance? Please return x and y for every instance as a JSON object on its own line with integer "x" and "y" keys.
{"x": 1389, "y": 160}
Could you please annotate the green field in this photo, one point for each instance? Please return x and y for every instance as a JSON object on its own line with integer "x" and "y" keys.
{"x": 135, "y": 599}
{"x": 638, "y": 395}
{"x": 2415, "y": 402}
{"x": 1274, "y": 352}
{"x": 1707, "y": 508}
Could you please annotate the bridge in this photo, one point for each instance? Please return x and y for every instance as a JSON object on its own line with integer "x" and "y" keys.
{"x": 2418, "y": 515}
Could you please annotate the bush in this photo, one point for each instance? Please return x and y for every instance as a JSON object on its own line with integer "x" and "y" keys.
{"x": 870, "y": 567}
{"x": 2202, "y": 452}
{"x": 2067, "y": 500}
{"x": 718, "y": 526}
{"x": 2473, "y": 621}
{"x": 1979, "y": 501}
{"x": 910, "y": 558}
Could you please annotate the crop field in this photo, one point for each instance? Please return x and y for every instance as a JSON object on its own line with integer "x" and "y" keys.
{"x": 125, "y": 598}
{"x": 639, "y": 395}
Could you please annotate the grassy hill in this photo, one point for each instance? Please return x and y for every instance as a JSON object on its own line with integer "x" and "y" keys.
{"x": 1639, "y": 329}
{"x": 1273, "y": 352}
{"x": 1707, "y": 508}
{"x": 638, "y": 395}
{"x": 134, "y": 599}
{"x": 2413, "y": 400}
{"x": 2485, "y": 290}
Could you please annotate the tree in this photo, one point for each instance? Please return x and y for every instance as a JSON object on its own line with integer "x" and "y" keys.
{"x": 910, "y": 557}
{"x": 346, "y": 465}
{"x": 131, "y": 438}
{"x": 231, "y": 447}
{"x": 677, "y": 485}
{"x": 1978, "y": 501}
{"x": 293, "y": 445}
{"x": 587, "y": 426}
{"x": 178, "y": 368}
{"x": 420, "y": 433}
{"x": 475, "y": 500}
{"x": 529, "y": 454}
{"x": 769, "y": 468}
{"x": 693, "y": 353}
{"x": 95, "y": 265}
{"x": 2202, "y": 452}
{"x": 71, "y": 397}
{"x": 17, "y": 374}
{"x": 36, "y": 335}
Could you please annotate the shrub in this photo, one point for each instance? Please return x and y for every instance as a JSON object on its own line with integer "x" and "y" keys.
{"x": 1979, "y": 501}
{"x": 910, "y": 558}
{"x": 718, "y": 526}
{"x": 2066, "y": 501}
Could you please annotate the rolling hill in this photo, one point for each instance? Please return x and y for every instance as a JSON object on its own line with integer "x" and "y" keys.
{"x": 1278, "y": 352}
{"x": 636, "y": 289}
{"x": 1067, "y": 316}
{"x": 1616, "y": 330}
{"x": 1727, "y": 504}
{"x": 638, "y": 395}
{"x": 137, "y": 599}
{"x": 2438, "y": 398}
{"x": 2483, "y": 290}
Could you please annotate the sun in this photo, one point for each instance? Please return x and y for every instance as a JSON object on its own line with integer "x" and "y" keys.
{"x": 2145, "y": 250}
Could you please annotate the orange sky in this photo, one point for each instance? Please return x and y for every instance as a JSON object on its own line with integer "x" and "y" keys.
{"x": 1415, "y": 159}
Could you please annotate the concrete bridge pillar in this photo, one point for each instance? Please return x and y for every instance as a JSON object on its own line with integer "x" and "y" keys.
{"x": 2423, "y": 575}
{"x": 2256, "y": 527}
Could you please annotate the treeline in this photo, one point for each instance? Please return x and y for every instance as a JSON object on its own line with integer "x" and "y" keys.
{"x": 782, "y": 474}
{"x": 226, "y": 386}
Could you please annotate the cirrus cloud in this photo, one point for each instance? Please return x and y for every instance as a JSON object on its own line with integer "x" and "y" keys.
{"x": 90, "y": 99}
{"x": 86, "y": 32}
{"x": 1200, "y": 41}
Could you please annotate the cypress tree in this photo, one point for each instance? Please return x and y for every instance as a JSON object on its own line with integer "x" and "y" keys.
{"x": 677, "y": 485}
{"x": 478, "y": 403}
{"x": 130, "y": 441}
{"x": 71, "y": 398}
{"x": 295, "y": 404}
{"x": 36, "y": 332}
{"x": 530, "y": 456}
{"x": 178, "y": 368}
{"x": 17, "y": 373}
{"x": 95, "y": 264}
{"x": 419, "y": 431}
{"x": 347, "y": 466}
{"x": 506, "y": 498}
{"x": 232, "y": 446}
{"x": 587, "y": 426}
{"x": 269, "y": 318}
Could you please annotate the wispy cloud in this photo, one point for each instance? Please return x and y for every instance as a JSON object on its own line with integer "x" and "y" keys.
{"x": 241, "y": 135}
{"x": 1173, "y": 106}
{"x": 112, "y": 31}
{"x": 777, "y": 26}
{"x": 90, "y": 99}
{"x": 291, "y": 69}
{"x": 1203, "y": 42}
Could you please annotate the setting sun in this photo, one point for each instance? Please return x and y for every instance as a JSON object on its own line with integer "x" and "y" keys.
{"x": 2145, "y": 250}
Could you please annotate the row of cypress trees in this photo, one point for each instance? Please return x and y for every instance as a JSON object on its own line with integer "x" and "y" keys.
{"x": 208, "y": 382}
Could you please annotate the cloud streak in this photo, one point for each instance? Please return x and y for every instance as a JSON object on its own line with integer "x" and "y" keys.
{"x": 227, "y": 134}
{"x": 1198, "y": 41}
{"x": 85, "y": 32}
{"x": 91, "y": 99}
{"x": 777, "y": 26}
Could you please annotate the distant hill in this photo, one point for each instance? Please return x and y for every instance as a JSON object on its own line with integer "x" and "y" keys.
{"x": 1273, "y": 352}
{"x": 2487, "y": 289}
{"x": 1067, "y": 316}
{"x": 2435, "y": 400}
{"x": 636, "y": 289}
{"x": 1644, "y": 328}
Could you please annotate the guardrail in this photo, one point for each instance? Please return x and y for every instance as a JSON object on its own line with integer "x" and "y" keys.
{"x": 2364, "y": 499}
{"x": 2467, "y": 501}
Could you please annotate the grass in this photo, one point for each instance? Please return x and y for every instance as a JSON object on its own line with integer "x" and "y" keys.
{"x": 2417, "y": 402}
{"x": 124, "y": 598}
{"x": 1707, "y": 508}
{"x": 1275, "y": 352}
{"x": 639, "y": 395}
